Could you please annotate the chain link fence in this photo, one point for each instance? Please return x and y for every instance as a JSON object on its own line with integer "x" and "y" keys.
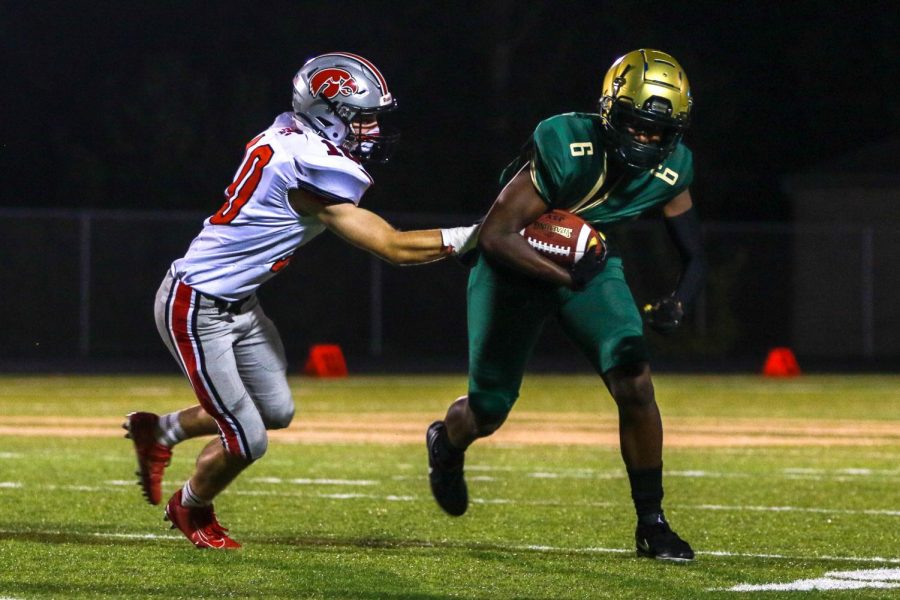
{"x": 79, "y": 286}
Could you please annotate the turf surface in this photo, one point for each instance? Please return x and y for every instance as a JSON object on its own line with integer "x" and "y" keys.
{"x": 805, "y": 486}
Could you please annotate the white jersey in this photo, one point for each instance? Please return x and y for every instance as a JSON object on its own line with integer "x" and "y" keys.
{"x": 256, "y": 232}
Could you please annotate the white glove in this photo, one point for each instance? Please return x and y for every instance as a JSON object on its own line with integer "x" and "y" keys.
{"x": 460, "y": 239}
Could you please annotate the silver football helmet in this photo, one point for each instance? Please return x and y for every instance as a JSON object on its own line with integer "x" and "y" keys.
{"x": 342, "y": 97}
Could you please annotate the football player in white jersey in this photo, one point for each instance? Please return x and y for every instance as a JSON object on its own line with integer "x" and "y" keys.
{"x": 301, "y": 176}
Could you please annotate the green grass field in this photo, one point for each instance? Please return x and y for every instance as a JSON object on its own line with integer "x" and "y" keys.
{"x": 780, "y": 485}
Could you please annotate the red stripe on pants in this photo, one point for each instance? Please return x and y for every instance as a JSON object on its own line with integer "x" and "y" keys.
{"x": 181, "y": 331}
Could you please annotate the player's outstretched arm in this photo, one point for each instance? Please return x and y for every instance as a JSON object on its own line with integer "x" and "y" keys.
{"x": 364, "y": 229}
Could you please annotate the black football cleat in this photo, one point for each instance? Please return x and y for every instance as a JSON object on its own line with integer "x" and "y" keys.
{"x": 445, "y": 471}
{"x": 657, "y": 540}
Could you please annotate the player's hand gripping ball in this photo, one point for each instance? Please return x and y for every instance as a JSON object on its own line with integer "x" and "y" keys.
{"x": 564, "y": 238}
{"x": 570, "y": 242}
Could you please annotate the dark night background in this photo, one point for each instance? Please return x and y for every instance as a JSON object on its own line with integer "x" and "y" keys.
{"x": 148, "y": 105}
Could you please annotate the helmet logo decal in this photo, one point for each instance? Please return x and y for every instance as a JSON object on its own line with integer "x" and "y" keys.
{"x": 331, "y": 82}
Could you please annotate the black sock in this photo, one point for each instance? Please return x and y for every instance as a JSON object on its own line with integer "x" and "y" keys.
{"x": 647, "y": 492}
{"x": 447, "y": 452}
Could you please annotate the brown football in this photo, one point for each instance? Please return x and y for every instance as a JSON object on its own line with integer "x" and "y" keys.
{"x": 563, "y": 237}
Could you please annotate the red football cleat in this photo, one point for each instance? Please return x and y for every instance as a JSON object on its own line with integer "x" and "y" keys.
{"x": 152, "y": 457}
{"x": 198, "y": 524}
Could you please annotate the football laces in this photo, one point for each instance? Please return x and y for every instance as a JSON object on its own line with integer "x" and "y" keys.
{"x": 548, "y": 248}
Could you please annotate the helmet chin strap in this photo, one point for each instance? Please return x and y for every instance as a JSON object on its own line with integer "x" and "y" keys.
{"x": 336, "y": 111}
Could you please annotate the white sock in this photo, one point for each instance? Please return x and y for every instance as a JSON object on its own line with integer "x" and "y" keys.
{"x": 172, "y": 433}
{"x": 189, "y": 498}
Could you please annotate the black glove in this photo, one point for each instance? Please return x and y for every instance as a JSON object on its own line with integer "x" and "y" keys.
{"x": 590, "y": 265}
{"x": 665, "y": 315}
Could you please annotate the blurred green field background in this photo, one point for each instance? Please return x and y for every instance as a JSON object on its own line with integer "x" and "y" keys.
{"x": 348, "y": 517}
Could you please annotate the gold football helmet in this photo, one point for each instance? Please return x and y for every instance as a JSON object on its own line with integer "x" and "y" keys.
{"x": 645, "y": 92}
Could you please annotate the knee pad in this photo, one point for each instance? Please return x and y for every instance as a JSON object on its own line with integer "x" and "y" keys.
{"x": 279, "y": 417}
{"x": 252, "y": 447}
{"x": 622, "y": 349}
{"x": 490, "y": 409}
{"x": 258, "y": 446}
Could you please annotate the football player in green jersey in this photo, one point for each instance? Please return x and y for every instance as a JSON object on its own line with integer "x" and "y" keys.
{"x": 607, "y": 168}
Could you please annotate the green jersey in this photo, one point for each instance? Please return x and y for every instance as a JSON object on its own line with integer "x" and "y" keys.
{"x": 568, "y": 165}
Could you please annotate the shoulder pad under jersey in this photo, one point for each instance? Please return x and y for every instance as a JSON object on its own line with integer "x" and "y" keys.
{"x": 678, "y": 166}
{"x": 567, "y": 159}
{"x": 325, "y": 169}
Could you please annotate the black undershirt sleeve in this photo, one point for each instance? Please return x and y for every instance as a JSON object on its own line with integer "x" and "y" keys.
{"x": 684, "y": 229}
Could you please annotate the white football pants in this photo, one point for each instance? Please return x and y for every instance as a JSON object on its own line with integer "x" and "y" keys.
{"x": 234, "y": 360}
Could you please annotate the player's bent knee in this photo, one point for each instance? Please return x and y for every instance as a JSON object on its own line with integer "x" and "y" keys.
{"x": 486, "y": 428}
{"x": 257, "y": 447}
{"x": 632, "y": 386}
{"x": 279, "y": 418}
{"x": 624, "y": 350}
{"x": 490, "y": 410}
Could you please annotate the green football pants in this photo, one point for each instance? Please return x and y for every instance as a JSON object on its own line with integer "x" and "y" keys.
{"x": 507, "y": 311}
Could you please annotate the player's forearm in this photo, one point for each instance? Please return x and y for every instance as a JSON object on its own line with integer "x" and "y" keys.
{"x": 512, "y": 250}
{"x": 687, "y": 236}
{"x": 368, "y": 231}
{"x": 413, "y": 247}
{"x": 500, "y": 240}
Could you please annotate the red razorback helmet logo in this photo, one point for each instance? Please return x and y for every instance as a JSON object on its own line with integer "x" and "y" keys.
{"x": 332, "y": 81}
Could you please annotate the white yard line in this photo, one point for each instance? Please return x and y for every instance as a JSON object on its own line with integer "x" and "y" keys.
{"x": 835, "y": 580}
{"x": 305, "y": 481}
{"x": 874, "y": 559}
{"x": 840, "y": 474}
{"x": 121, "y": 485}
{"x": 509, "y": 546}
{"x": 804, "y": 509}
